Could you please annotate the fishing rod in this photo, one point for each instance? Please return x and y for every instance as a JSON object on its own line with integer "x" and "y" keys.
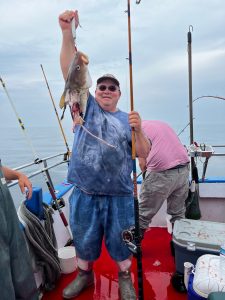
{"x": 60, "y": 125}
{"x": 216, "y": 97}
{"x": 209, "y": 96}
{"x": 137, "y": 237}
{"x": 205, "y": 96}
{"x": 38, "y": 161}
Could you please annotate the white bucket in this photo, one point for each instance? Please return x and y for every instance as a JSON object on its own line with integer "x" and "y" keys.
{"x": 67, "y": 259}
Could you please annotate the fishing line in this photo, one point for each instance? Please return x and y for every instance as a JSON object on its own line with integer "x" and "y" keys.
{"x": 20, "y": 122}
{"x": 96, "y": 137}
{"x": 38, "y": 161}
{"x": 60, "y": 125}
{"x": 182, "y": 130}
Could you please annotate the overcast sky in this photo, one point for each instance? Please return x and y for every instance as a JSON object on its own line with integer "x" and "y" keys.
{"x": 30, "y": 36}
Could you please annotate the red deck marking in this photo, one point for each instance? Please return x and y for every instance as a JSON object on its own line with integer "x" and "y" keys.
{"x": 158, "y": 266}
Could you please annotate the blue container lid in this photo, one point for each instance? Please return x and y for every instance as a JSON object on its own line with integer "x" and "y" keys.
{"x": 192, "y": 295}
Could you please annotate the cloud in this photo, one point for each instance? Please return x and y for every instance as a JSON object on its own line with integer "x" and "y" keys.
{"x": 30, "y": 36}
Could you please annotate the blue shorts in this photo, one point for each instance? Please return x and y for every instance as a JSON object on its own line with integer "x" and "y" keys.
{"x": 93, "y": 216}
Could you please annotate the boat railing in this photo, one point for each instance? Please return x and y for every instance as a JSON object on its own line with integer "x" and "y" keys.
{"x": 218, "y": 146}
{"x": 42, "y": 169}
{"x": 205, "y": 151}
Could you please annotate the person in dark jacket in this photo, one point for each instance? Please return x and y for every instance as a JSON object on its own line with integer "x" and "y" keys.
{"x": 16, "y": 276}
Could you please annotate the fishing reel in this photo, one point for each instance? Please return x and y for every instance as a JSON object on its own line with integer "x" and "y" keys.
{"x": 60, "y": 202}
{"x": 128, "y": 236}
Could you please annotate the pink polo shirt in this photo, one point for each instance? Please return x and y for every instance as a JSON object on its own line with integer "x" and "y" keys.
{"x": 166, "y": 151}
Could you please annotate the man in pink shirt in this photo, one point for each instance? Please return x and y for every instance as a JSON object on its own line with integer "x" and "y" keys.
{"x": 166, "y": 172}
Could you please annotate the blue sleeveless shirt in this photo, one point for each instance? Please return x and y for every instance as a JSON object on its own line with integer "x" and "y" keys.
{"x": 98, "y": 168}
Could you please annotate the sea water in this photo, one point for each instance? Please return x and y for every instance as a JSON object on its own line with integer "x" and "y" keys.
{"x": 48, "y": 141}
{"x": 15, "y": 151}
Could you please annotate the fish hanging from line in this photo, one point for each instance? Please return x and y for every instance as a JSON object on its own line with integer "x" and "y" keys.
{"x": 76, "y": 92}
{"x": 76, "y": 88}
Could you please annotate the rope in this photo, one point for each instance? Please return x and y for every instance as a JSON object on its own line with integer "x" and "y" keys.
{"x": 42, "y": 241}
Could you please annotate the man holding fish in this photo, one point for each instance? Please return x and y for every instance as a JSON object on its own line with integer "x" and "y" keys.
{"x": 101, "y": 204}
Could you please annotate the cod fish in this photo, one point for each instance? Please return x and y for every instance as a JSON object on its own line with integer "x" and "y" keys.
{"x": 76, "y": 88}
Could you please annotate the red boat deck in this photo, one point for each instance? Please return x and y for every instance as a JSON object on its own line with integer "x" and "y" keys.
{"x": 158, "y": 266}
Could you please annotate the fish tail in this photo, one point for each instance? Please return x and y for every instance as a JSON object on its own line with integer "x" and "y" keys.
{"x": 62, "y": 100}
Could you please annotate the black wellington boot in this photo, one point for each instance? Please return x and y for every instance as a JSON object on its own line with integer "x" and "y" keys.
{"x": 127, "y": 291}
{"x": 83, "y": 280}
{"x": 177, "y": 281}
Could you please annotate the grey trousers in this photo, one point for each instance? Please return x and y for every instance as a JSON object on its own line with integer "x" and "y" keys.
{"x": 16, "y": 275}
{"x": 171, "y": 185}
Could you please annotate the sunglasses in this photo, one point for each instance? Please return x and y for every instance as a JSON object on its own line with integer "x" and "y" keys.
{"x": 111, "y": 88}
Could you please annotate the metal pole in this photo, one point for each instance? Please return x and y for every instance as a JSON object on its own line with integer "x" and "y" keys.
{"x": 189, "y": 39}
{"x": 136, "y": 205}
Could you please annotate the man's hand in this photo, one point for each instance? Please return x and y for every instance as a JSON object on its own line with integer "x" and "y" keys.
{"x": 135, "y": 121}
{"x": 143, "y": 145}
{"x": 24, "y": 182}
{"x": 66, "y": 18}
{"x": 68, "y": 49}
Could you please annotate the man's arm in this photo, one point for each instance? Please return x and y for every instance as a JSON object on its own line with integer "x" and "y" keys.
{"x": 142, "y": 164}
{"x": 68, "y": 48}
{"x": 23, "y": 181}
{"x": 143, "y": 145}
